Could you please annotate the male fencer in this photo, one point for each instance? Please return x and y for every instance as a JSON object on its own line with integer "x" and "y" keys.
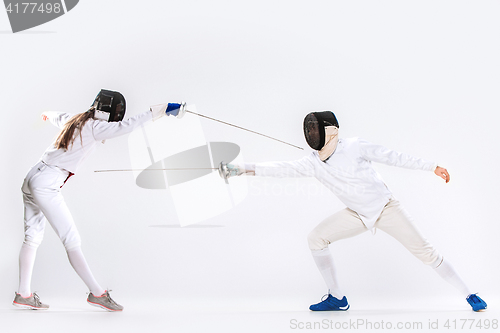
{"x": 345, "y": 167}
{"x": 80, "y": 135}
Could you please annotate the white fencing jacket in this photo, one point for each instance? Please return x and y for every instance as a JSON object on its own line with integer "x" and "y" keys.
{"x": 349, "y": 174}
{"x": 93, "y": 132}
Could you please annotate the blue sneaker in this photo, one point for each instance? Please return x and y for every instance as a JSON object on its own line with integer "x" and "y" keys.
{"x": 331, "y": 304}
{"x": 476, "y": 302}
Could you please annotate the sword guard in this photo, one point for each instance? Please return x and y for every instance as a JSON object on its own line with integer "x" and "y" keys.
{"x": 224, "y": 172}
{"x": 182, "y": 110}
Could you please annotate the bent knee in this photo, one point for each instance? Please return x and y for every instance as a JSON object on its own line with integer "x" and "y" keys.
{"x": 72, "y": 242}
{"x": 434, "y": 260}
{"x": 32, "y": 242}
{"x": 316, "y": 241}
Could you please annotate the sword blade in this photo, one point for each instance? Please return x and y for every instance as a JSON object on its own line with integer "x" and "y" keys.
{"x": 167, "y": 169}
{"x": 243, "y": 128}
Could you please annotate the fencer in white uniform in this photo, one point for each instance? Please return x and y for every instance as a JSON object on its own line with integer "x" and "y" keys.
{"x": 41, "y": 189}
{"x": 345, "y": 167}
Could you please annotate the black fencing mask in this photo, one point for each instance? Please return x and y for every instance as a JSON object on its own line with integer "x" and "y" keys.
{"x": 314, "y": 127}
{"x": 109, "y": 105}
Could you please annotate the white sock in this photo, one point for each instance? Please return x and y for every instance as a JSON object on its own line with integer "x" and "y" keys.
{"x": 324, "y": 261}
{"x": 448, "y": 273}
{"x": 81, "y": 267}
{"x": 26, "y": 261}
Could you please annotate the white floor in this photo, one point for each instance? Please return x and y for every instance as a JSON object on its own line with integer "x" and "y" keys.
{"x": 249, "y": 315}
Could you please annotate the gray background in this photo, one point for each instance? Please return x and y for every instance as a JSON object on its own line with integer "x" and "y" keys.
{"x": 417, "y": 76}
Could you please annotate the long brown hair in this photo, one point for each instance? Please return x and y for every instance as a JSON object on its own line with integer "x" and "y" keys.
{"x": 67, "y": 135}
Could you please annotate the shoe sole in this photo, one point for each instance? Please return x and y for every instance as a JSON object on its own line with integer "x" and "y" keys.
{"x": 333, "y": 309}
{"x": 27, "y": 307}
{"x": 103, "y": 307}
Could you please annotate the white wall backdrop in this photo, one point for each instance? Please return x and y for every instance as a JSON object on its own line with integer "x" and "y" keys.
{"x": 417, "y": 76}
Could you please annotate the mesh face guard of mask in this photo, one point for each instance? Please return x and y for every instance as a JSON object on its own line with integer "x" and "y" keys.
{"x": 109, "y": 105}
{"x": 314, "y": 127}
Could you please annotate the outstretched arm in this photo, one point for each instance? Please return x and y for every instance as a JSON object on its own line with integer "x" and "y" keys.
{"x": 58, "y": 119}
{"x": 303, "y": 167}
{"x": 104, "y": 130}
{"x": 443, "y": 173}
{"x": 298, "y": 168}
{"x": 381, "y": 154}
{"x": 238, "y": 170}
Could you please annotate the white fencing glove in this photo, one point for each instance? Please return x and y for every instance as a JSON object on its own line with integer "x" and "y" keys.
{"x": 227, "y": 171}
{"x": 234, "y": 170}
{"x": 170, "y": 109}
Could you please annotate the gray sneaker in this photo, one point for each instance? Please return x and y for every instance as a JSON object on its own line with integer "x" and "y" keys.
{"x": 32, "y": 302}
{"x": 104, "y": 301}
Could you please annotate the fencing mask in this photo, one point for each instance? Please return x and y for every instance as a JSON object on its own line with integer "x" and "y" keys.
{"x": 314, "y": 128}
{"x": 109, "y": 105}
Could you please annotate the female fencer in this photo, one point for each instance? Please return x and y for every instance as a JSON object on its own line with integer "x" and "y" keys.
{"x": 80, "y": 135}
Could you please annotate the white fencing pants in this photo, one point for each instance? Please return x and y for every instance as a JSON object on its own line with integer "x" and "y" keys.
{"x": 43, "y": 202}
{"x": 393, "y": 220}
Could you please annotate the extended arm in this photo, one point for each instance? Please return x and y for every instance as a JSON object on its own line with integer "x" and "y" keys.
{"x": 384, "y": 155}
{"x": 299, "y": 168}
{"x": 381, "y": 154}
{"x": 103, "y": 130}
{"x": 58, "y": 119}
